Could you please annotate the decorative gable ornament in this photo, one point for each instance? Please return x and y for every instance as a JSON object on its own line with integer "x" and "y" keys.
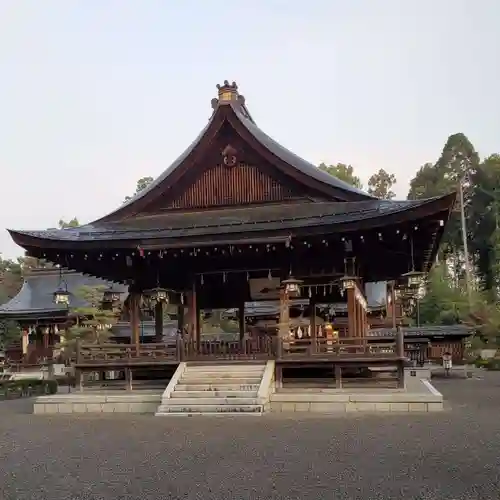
{"x": 229, "y": 157}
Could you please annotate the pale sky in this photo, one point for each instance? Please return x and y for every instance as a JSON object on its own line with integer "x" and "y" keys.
{"x": 95, "y": 94}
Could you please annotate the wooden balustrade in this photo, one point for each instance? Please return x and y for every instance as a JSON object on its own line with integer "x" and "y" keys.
{"x": 255, "y": 348}
{"x": 114, "y": 353}
{"x": 264, "y": 347}
{"x": 345, "y": 346}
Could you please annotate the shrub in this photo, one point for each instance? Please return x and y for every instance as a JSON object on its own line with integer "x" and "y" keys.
{"x": 481, "y": 363}
{"x": 27, "y": 387}
{"x": 493, "y": 364}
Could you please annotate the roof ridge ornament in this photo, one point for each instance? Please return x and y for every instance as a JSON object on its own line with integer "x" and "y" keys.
{"x": 227, "y": 93}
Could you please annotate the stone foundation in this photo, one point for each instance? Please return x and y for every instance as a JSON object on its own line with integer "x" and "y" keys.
{"x": 423, "y": 398}
{"x": 138, "y": 402}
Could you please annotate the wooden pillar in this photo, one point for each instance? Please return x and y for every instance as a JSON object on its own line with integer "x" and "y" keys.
{"x": 393, "y": 303}
{"x": 197, "y": 323}
{"x": 284, "y": 321}
{"x": 351, "y": 313}
{"x": 135, "y": 319}
{"x": 312, "y": 323}
{"x": 45, "y": 337}
{"x": 358, "y": 318}
{"x": 193, "y": 328}
{"x": 180, "y": 318}
{"x": 400, "y": 344}
{"x": 284, "y": 325}
{"x": 241, "y": 321}
{"x": 159, "y": 322}
{"x": 24, "y": 341}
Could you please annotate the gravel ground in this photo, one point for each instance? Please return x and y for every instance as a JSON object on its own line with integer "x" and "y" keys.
{"x": 452, "y": 455}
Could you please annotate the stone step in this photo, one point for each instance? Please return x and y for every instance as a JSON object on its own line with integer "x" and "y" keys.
{"x": 208, "y": 409}
{"x": 218, "y": 394}
{"x": 221, "y": 375}
{"x": 226, "y": 368}
{"x": 216, "y": 387}
{"x": 188, "y": 402}
{"x": 218, "y": 381}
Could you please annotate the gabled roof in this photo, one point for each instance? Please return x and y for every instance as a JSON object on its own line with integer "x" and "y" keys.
{"x": 234, "y": 111}
{"x": 36, "y": 295}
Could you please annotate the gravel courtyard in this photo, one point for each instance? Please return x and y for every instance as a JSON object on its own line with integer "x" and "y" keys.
{"x": 452, "y": 455}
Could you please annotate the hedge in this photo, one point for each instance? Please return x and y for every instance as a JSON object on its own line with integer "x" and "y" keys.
{"x": 26, "y": 387}
{"x": 493, "y": 364}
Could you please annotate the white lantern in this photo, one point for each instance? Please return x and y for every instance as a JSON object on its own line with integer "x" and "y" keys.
{"x": 414, "y": 279}
{"x": 292, "y": 286}
{"x": 158, "y": 295}
{"x": 348, "y": 282}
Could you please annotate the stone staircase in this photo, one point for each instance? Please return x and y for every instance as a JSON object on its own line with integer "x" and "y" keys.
{"x": 214, "y": 390}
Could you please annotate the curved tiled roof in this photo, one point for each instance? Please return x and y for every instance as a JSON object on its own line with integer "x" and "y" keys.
{"x": 214, "y": 222}
{"x": 36, "y": 294}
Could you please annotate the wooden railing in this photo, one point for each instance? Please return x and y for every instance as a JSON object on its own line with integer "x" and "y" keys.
{"x": 247, "y": 349}
{"x": 344, "y": 347}
{"x": 113, "y": 353}
{"x": 257, "y": 348}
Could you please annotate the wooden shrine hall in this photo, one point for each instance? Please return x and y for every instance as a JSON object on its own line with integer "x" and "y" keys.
{"x": 237, "y": 218}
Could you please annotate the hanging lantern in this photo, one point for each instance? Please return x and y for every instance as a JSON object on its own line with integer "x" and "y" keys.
{"x": 414, "y": 279}
{"x": 61, "y": 295}
{"x": 111, "y": 295}
{"x": 292, "y": 286}
{"x": 348, "y": 282}
{"x": 157, "y": 294}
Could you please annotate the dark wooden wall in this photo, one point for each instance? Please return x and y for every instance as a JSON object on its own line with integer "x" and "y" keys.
{"x": 239, "y": 185}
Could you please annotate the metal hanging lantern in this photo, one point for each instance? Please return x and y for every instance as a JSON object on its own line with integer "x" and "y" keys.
{"x": 292, "y": 286}
{"x": 111, "y": 295}
{"x": 157, "y": 295}
{"x": 61, "y": 294}
{"x": 348, "y": 282}
{"x": 414, "y": 279}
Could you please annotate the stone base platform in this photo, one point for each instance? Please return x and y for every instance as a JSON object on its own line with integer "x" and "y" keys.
{"x": 419, "y": 396}
{"x": 99, "y": 402}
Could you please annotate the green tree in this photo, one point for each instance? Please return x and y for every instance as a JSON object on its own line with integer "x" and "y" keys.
{"x": 72, "y": 223}
{"x": 9, "y": 332}
{"x": 92, "y": 323}
{"x": 445, "y": 303}
{"x": 380, "y": 185}
{"x": 458, "y": 162}
{"x": 343, "y": 172}
{"x": 142, "y": 183}
{"x": 11, "y": 279}
{"x": 484, "y": 223}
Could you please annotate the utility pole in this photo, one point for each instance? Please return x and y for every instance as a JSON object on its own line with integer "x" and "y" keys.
{"x": 464, "y": 238}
